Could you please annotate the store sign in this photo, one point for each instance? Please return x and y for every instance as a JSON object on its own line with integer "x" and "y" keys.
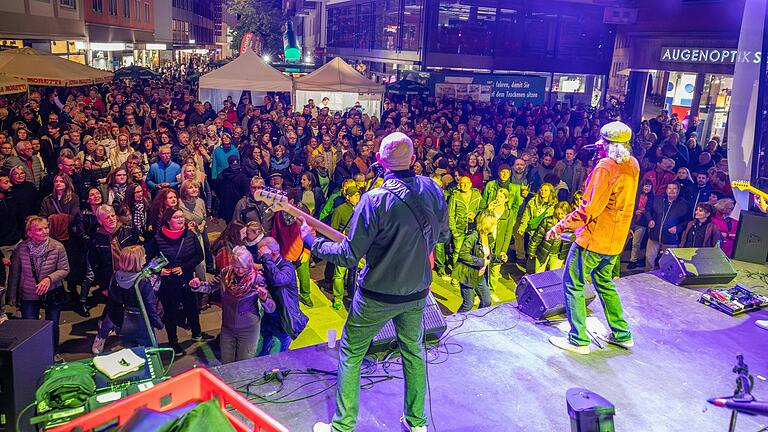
{"x": 513, "y": 88}
{"x": 709, "y": 55}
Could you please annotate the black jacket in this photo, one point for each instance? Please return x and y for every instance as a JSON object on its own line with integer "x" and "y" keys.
{"x": 231, "y": 185}
{"x": 184, "y": 252}
{"x": 100, "y": 251}
{"x": 12, "y": 222}
{"x": 284, "y": 289}
{"x": 666, "y": 216}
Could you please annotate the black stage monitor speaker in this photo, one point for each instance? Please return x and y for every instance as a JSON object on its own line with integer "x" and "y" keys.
{"x": 541, "y": 295}
{"x": 434, "y": 326}
{"x": 26, "y": 351}
{"x": 752, "y": 238}
{"x": 696, "y": 266}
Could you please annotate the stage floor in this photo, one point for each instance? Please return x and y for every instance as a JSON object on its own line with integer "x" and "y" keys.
{"x": 503, "y": 375}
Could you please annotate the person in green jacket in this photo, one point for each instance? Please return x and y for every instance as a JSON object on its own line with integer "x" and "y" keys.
{"x": 540, "y": 207}
{"x": 475, "y": 260}
{"x": 339, "y": 221}
{"x": 506, "y": 216}
{"x": 463, "y": 207}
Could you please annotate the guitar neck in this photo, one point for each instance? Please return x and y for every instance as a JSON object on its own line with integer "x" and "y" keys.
{"x": 315, "y": 223}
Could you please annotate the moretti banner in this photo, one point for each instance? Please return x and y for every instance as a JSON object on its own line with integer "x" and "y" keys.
{"x": 514, "y": 88}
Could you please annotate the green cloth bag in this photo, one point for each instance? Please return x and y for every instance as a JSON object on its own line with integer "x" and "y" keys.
{"x": 207, "y": 416}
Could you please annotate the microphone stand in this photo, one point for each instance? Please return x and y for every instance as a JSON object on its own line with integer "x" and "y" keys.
{"x": 742, "y": 395}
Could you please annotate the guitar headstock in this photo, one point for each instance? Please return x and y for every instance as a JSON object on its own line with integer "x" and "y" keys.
{"x": 741, "y": 184}
{"x": 272, "y": 197}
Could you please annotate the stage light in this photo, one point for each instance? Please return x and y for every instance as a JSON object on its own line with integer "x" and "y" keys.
{"x": 267, "y": 58}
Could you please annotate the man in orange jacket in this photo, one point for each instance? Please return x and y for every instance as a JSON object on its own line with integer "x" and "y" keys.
{"x": 601, "y": 224}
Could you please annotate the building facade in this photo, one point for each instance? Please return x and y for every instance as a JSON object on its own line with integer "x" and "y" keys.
{"x": 56, "y": 26}
{"x": 567, "y": 43}
{"x": 680, "y": 59}
{"x": 120, "y": 33}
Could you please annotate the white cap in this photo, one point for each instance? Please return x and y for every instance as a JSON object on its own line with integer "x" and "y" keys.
{"x": 396, "y": 151}
{"x": 616, "y": 132}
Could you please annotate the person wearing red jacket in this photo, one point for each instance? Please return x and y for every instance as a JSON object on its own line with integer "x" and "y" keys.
{"x": 660, "y": 176}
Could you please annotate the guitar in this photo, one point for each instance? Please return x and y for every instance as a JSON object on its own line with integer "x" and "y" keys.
{"x": 761, "y": 198}
{"x": 279, "y": 201}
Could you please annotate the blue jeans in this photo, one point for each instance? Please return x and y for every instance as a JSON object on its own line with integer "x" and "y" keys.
{"x": 272, "y": 327}
{"x": 366, "y": 318}
{"x": 599, "y": 267}
{"x": 30, "y": 309}
{"x": 133, "y": 332}
{"x": 468, "y": 295}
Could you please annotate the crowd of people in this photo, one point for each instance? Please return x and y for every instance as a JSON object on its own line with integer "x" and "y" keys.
{"x": 97, "y": 181}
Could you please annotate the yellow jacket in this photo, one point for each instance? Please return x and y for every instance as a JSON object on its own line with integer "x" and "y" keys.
{"x": 602, "y": 221}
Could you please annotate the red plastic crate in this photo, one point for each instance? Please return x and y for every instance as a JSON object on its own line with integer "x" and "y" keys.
{"x": 195, "y": 385}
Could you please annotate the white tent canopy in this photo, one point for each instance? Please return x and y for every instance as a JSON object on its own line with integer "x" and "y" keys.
{"x": 246, "y": 72}
{"x": 342, "y": 85}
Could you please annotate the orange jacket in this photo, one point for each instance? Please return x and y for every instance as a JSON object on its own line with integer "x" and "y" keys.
{"x": 602, "y": 220}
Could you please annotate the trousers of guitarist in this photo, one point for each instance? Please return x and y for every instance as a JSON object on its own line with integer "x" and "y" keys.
{"x": 601, "y": 223}
{"x": 394, "y": 227}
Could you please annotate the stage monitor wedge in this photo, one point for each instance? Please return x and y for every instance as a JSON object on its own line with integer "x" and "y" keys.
{"x": 696, "y": 266}
{"x": 541, "y": 295}
{"x": 752, "y": 238}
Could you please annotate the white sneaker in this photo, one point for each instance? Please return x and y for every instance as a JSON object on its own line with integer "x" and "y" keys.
{"x": 564, "y": 344}
{"x": 611, "y": 340}
{"x": 763, "y": 324}
{"x": 98, "y": 345}
{"x": 409, "y": 428}
{"x": 322, "y": 427}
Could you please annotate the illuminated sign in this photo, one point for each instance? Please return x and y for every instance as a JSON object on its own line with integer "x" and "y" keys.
{"x": 709, "y": 55}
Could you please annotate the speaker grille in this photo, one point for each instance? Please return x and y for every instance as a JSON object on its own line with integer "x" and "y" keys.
{"x": 433, "y": 323}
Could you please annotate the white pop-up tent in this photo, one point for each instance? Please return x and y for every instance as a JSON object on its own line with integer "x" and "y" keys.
{"x": 342, "y": 85}
{"x": 246, "y": 72}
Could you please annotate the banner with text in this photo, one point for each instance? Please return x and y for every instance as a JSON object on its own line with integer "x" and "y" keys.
{"x": 514, "y": 88}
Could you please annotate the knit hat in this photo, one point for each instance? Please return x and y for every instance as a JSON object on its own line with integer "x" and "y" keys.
{"x": 396, "y": 151}
{"x": 616, "y": 132}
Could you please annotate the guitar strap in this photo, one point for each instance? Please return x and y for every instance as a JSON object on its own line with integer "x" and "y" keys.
{"x": 408, "y": 197}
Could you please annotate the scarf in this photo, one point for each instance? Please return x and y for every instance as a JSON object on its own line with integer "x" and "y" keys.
{"x": 37, "y": 251}
{"x": 172, "y": 234}
{"x": 238, "y": 286}
{"x": 139, "y": 217}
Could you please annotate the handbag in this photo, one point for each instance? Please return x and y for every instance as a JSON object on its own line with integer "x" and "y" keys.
{"x": 54, "y": 296}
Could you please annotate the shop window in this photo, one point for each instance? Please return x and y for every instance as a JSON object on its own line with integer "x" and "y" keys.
{"x": 509, "y": 32}
{"x": 340, "y": 21}
{"x": 98, "y": 6}
{"x": 364, "y": 26}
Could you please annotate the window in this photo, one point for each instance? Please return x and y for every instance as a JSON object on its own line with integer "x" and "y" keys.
{"x": 386, "y": 26}
{"x": 113, "y": 7}
{"x": 340, "y": 21}
{"x": 69, "y": 4}
{"x": 137, "y": 10}
{"x": 98, "y": 6}
{"x": 465, "y": 27}
{"x": 127, "y": 8}
{"x": 147, "y": 14}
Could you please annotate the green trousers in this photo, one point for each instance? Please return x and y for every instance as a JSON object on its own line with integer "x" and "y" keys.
{"x": 578, "y": 265}
{"x": 339, "y": 282}
{"x": 365, "y": 320}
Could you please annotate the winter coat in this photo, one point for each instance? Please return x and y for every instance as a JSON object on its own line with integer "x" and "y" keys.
{"x": 27, "y": 198}
{"x": 535, "y": 210}
{"x": 53, "y": 264}
{"x": 541, "y": 248}
{"x": 13, "y": 221}
{"x": 666, "y": 215}
{"x": 458, "y": 209}
{"x": 342, "y": 172}
{"x": 579, "y": 173}
{"x": 284, "y": 289}
{"x": 219, "y": 160}
{"x": 185, "y": 252}
{"x": 242, "y": 312}
{"x": 602, "y": 220}
{"x": 711, "y": 234}
{"x": 121, "y": 290}
{"x": 232, "y": 185}
{"x": 102, "y": 253}
{"x": 471, "y": 260}
{"x": 728, "y": 227}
